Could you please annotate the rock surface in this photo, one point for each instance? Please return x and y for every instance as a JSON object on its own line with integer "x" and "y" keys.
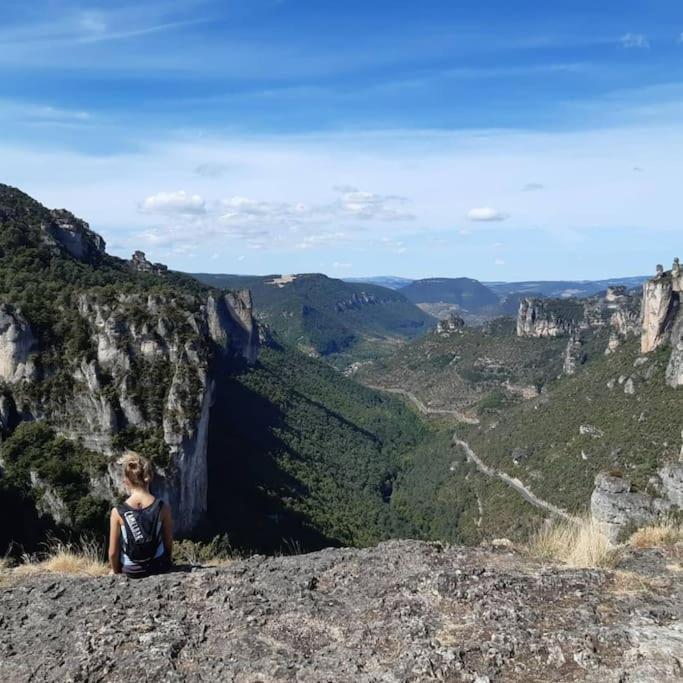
{"x": 403, "y": 611}
{"x": 573, "y": 355}
{"x": 660, "y": 306}
{"x": 537, "y": 318}
{"x": 63, "y": 230}
{"x": 619, "y": 509}
{"x": 17, "y": 344}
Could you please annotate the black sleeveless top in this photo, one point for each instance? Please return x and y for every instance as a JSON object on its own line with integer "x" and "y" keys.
{"x": 143, "y": 521}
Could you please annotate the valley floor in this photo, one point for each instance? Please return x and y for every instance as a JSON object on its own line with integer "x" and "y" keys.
{"x": 401, "y": 611}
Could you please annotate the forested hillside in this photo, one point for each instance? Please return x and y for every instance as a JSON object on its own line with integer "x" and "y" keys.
{"x": 325, "y": 316}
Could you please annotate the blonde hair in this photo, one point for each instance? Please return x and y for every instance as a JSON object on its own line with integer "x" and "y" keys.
{"x": 137, "y": 469}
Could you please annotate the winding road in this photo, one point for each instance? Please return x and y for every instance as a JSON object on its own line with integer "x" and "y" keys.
{"x": 512, "y": 482}
{"x": 460, "y": 416}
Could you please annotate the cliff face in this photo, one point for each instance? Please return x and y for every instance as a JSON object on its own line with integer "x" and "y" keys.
{"x": 662, "y": 320}
{"x": 62, "y": 230}
{"x": 132, "y": 362}
{"x": 153, "y": 372}
{"x": 538, "y": 318}
{"x": 402, "y": 611}
{"x": 17, "y": 344}
{"x": 616, "y": 310}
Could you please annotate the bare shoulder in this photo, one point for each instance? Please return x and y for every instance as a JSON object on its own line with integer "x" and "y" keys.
{"x": 166, "y": 509}
{"x": 115, "y": 516}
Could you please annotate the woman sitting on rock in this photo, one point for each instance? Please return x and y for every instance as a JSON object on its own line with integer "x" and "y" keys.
{"x": 141, "y": 528}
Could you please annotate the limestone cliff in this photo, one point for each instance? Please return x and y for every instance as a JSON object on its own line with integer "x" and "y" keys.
{"x": 63, "y": 231}
{"x": 662, "y": 320}
{"x": 540, "y": 318}
{"x": 616, "y": 309}
{"x": 17, "y": 345}
{"x": 112, "y": 353}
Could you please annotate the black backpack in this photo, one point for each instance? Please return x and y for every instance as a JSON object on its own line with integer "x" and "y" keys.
{"x": 142, "y": 531}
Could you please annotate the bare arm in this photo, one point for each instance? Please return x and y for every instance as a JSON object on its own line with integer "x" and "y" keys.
{"x": 167, "y": 529}
{"x": 115, "y": 542}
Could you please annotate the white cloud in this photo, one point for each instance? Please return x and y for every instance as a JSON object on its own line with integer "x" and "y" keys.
{"x": 499, "y": 262}
{"x": 337, "y": 265}
{"x": 634, "y": 40}
{"x": 498, "y": 245}
{"x": 485, "y": 213}
{"x": 174, "y": 203}
{"x": 533, "y": 187}
{"x": 369, "y": 206}
{"x": 590, "y": 189}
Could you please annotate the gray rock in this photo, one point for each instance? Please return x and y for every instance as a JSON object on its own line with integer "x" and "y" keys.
{"x": 674, "y": 370}
{"x": 573, "y": 355}
{"x": 536, "y": 319}
{"x": 671, "y": 477}
{"x": 619, "y": 510}
{"x": 592, "y": 431}
{"x": 660, "y": 307}
{"x": 17, "y": 346}
{"x": 404, "y": 611}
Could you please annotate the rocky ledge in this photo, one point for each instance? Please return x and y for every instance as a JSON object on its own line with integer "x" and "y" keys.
{"x": 403, "y": 611}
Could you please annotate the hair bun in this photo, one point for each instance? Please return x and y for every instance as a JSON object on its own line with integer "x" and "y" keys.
{"x": 137, "y": 470}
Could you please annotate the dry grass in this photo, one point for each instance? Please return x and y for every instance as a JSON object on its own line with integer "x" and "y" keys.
{"x": 666, "y": 533}
{"x": 576, "y": 544}
{"x": 632, "y": 582}
{"x": 82, "y": 558}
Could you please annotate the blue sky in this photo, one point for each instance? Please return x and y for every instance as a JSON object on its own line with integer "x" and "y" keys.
{"x": 500, "y": 140}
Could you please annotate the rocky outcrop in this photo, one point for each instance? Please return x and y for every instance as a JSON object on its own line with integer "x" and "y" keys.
{"x": 17, "y": 346}
{"x": 662, "y": 319}
{"x": 616, "y": 310}
{"x": 660, "y": 306}
{"x": 674, "y": 369}
{"x": 451, "y": 323}
{"x": 231, "y": 323}
{"x": 573, "y": 355}
{"x": 64, "y": 231}
{"x": 140, "y": 263}
{"x": 403, "y": 611}
{"x": 541, "y": 318}
{"x": 619, "y": 509}
{"x": 360, "y": 299}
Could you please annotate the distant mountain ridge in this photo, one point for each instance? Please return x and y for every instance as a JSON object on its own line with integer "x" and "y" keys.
{"x": 389, "y": 281}
{"x": 564, "y": 288}
{"x": 466, "y": 292}
{"x": 324, "y": 315}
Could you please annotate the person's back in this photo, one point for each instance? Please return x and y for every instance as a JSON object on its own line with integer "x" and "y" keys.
{"x": 140, "y": 530}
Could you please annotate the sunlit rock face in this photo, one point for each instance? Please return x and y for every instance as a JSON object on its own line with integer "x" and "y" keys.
{"x": 661, "y": 299}
{"x": 17, "y": 344}
{"x": 535, "y": 318}
{"x": 662, "y": 319}
{"x": 63, "y": 230}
